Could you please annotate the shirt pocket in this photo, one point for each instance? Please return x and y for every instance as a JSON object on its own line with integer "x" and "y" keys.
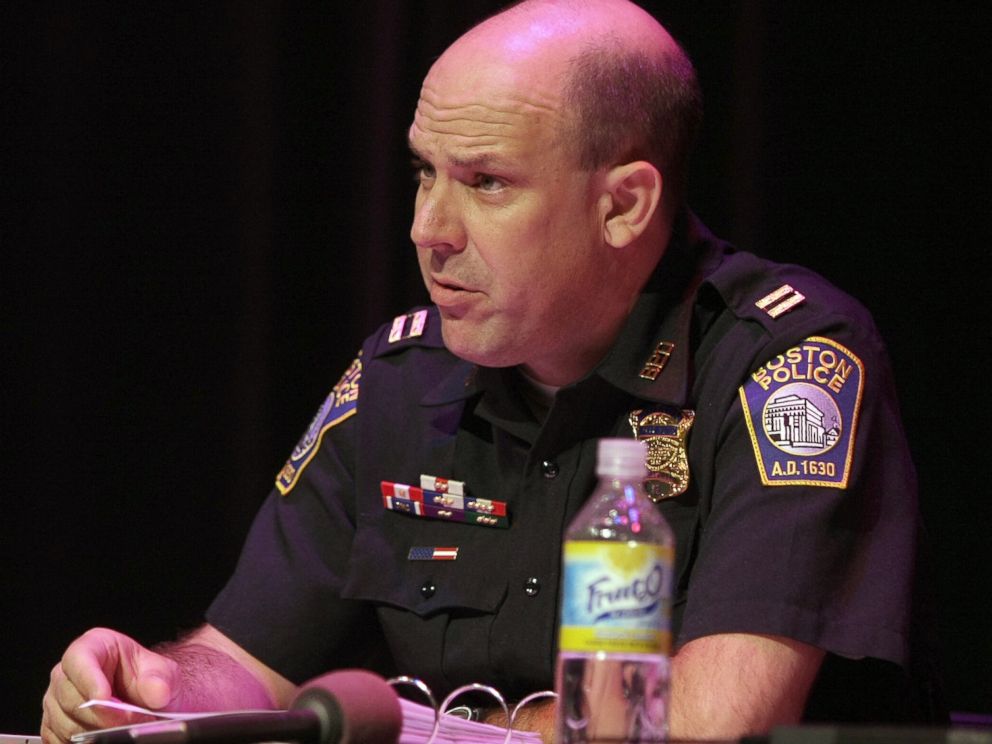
{"x": 382, "y": 571}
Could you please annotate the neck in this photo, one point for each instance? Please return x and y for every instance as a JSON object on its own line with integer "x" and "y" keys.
{"x": 602, "y": 317}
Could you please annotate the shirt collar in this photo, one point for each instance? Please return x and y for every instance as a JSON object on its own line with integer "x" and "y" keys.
{"x": 661, "y": 320}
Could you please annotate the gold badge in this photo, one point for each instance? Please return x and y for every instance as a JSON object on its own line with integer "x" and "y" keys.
{"x": 665, "y": 430}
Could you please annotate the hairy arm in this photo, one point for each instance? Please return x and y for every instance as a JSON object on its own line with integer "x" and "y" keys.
{"x": 217, "y": 674}
{"x": 204, "y": 671}
{"x": 732, "y": 684}
{"x": 723, "y": 687}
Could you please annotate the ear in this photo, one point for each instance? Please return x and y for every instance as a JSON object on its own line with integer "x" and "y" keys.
{"x": 631, "y": 198}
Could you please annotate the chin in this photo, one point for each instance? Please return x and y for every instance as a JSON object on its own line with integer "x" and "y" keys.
{"x": 473, "y": 344}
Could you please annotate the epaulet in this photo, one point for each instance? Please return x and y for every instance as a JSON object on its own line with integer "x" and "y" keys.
{"x": 418, "y": 327}
{"x": 780, "y": 301}
{"x": 774, "y": 295}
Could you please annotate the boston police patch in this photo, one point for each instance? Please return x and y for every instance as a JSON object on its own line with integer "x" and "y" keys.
{"x": 801, "y": 410}
{"x": 342, "y": 403}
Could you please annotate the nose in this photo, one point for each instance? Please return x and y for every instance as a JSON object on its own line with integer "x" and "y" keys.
{"x": 437, "y": 224}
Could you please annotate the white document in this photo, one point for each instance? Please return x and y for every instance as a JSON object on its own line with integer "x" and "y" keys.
{"x": 418, "y": 725}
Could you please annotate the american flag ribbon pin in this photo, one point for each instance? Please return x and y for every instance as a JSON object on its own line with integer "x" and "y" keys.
{"x": 424, "y": 553}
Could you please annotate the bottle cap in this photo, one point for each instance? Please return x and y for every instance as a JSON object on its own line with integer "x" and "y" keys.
{"x": 625, "y": 458}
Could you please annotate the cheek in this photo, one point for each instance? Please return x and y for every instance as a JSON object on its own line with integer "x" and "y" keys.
{"x": 515, "y": 257}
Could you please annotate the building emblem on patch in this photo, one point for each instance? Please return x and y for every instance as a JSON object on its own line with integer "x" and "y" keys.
{"x": 801, "y": 410}
{"x": 341, "y": 404}
{"x": 665, "y": 430}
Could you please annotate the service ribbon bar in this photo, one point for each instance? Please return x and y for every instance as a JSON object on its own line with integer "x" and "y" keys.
{"x": 420, "y": 502}
{"x": 482, "y": 506}
{"x": 442, "y": 485}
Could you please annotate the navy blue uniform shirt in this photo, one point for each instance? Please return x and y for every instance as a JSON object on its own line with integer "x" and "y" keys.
{"x": 799, "y": 517}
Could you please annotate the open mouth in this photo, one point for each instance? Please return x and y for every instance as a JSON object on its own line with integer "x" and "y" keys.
{"x": 446, "y": 292}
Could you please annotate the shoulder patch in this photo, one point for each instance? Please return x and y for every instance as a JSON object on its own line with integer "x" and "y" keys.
{"x": 341, "y": 404}
{"x": 801, "y": 410}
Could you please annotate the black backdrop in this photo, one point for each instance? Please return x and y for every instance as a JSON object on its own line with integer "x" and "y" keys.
{"x": 206, "y": 209}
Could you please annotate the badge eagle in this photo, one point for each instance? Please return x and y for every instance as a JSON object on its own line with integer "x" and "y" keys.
{"x": 665, "y": 430}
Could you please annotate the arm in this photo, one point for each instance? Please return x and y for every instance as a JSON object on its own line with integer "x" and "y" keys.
{"x": 204, "y": 671}
{"x": 732, "y": 684}
{"x": 723, "y": 687}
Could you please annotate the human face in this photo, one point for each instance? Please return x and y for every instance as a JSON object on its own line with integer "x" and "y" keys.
{"x": 507, "y": 226}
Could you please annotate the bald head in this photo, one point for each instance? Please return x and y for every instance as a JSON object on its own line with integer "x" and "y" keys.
{"x": 545, "y": 139}
{"x": 535, "y": 23}
{"x": 624, "y": 88}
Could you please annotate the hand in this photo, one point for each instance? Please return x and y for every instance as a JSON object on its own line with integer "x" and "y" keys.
{"x": 103, "y": 663}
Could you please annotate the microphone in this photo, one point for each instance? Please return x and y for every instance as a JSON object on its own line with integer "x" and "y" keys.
{"x": 345, "y": 707}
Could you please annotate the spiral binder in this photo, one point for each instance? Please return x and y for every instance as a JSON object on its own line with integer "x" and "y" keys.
{"x": 440, "y": 724}
{"x": 422, "y": 724}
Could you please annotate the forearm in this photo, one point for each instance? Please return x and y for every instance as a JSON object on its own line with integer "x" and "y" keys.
{"x": 217, "y": 674}
{"x": 537, "y": 716}
{"x": 727, "y": 686}
{"x": 722, "y": 687}
{"x": 210, "y": 679}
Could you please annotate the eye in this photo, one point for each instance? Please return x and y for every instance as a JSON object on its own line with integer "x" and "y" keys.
{"x": 422, "y": 170}
{"x": 487, "y": 183}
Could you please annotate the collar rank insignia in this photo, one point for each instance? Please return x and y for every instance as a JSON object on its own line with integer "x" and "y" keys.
{"x": 781, "y": 301}
{"x": 657, "y": 361}
{"x": 665, "y": 430}
{"x": 801, "y": 409}
{"x": 407, "y": 326}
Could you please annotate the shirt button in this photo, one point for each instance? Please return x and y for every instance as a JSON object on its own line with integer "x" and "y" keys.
{"x": 428, "y": 589}
{"x": 550, "y": 469}
{"x": 532, "y": 586}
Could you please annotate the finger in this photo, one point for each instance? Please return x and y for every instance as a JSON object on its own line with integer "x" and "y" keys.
{"x": 155, "y": 688}
{"x": 91, "y": 663}
{"x": 103, "y": 663}
{"x": 49, "y": 735}
{"x": 63, "y": 714}
{"x": 145, "y": 677}
{"x": 60, "y": 701}
{"x": 56, "y": 726}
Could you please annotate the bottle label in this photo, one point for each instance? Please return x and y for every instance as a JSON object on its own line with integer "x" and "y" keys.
{"x": 616, "y": 597}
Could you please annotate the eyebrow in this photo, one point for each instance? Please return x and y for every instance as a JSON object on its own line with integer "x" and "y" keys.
{"x": 482, "y": 162}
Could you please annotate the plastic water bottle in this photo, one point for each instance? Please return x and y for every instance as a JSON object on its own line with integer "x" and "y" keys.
{"x": 615, "y": 636}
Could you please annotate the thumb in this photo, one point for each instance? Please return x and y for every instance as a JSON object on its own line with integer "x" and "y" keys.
{"x": 156, "y": 681}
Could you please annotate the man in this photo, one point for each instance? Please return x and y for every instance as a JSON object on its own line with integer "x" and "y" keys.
{"x": 574, "y": 298}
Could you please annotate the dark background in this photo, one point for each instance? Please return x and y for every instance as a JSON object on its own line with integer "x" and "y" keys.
{"x": 206, "y": 209}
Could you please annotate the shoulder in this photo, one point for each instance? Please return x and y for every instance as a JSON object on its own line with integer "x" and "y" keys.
{"x": 406, "y": 359}
{"x": 395, "y": 367}
{"x": 808, "y": 361}
{"x": 786, "y": 300}
{"x": 418, "y": 328}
